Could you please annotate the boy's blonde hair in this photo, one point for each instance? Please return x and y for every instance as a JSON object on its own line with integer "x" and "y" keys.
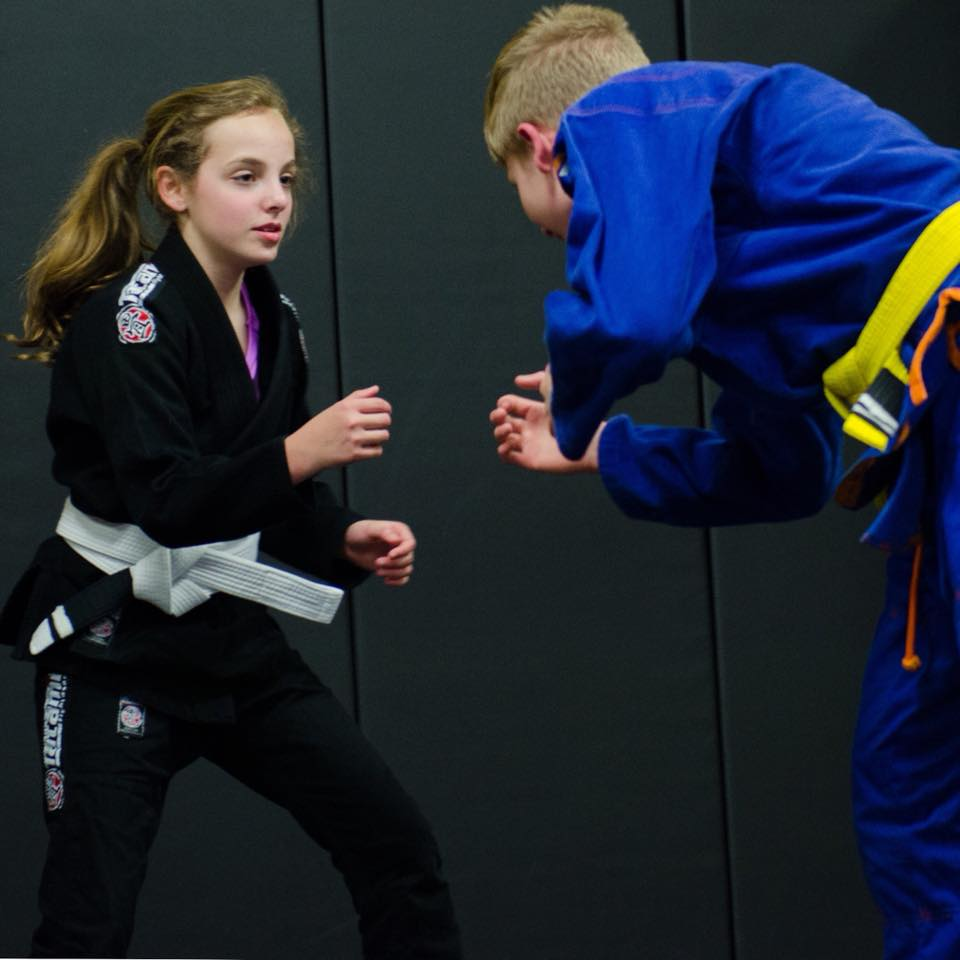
{"x": 548, "y": 64}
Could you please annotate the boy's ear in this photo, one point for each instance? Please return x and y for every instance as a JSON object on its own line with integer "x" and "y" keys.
{"x": 541, "y": 144}
{"x": 170, "y": 189}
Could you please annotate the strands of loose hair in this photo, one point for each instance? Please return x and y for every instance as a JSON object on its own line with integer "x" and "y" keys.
{"x": 98, "y": 235}
{"x": 99, "y": 232}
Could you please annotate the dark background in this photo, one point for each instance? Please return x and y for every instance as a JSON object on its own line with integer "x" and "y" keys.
{"x": 632, "y": 740}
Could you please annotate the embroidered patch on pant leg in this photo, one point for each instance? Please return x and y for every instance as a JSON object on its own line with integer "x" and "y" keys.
{"x": 53, "y": 789}
{"x": 131, "y": 718}
{"x": 54, "y": 709}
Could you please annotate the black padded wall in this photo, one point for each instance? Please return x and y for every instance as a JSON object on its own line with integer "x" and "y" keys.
{"x": 546, "y": 684}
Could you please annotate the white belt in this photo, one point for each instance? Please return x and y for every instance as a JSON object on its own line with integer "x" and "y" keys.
{"x": 179, "y": 579}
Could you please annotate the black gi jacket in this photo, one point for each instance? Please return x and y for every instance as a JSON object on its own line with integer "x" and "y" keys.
{"x": 156, "y": 422}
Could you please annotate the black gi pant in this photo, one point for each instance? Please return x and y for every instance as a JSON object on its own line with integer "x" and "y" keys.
{"x": 107, "y": 768}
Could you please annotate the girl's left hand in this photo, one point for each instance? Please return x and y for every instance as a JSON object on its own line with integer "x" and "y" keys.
{"x": 384, "y": 547}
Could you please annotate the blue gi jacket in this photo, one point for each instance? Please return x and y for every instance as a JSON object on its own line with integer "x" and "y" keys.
{"x": 746, "y": 219}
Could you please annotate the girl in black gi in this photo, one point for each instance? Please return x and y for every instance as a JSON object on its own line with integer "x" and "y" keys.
{"x": 178, "y": 418}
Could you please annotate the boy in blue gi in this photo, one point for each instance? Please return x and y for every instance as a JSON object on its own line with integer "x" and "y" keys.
{"x": 801, "y": 247}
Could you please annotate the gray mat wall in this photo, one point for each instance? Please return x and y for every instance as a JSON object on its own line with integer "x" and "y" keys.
{"x": 632, "y": 740}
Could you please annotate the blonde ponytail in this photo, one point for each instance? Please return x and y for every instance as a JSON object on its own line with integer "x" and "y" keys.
{"x": 99, "y": 233}
{"x": 97, "y": 236}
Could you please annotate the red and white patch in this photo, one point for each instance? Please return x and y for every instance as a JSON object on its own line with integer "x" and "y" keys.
{"x": 135, "y": 324}
{"x": 101, "y": 631}
{"x": 102, "y": 628}
{"x": 53, "y": 789}
{"x": 131, "y": 719}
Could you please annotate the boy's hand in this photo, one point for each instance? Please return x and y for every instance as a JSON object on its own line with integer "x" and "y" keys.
{"x": 540, "y": 381}
{"x": 524, "y": 431}
{"x": 384, "y": 547}
{"x": 354, "y": 428}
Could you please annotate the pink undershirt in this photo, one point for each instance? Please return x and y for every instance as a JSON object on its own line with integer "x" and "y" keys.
{"x": 252, "y": 353}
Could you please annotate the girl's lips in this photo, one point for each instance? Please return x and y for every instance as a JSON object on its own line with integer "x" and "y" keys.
{"x": 270, "y": 231}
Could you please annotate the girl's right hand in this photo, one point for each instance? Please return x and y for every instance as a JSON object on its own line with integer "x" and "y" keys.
{"x": 354, "y": 428}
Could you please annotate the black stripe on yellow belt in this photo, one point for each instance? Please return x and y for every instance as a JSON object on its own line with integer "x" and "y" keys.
{"x": 865, "y": 386}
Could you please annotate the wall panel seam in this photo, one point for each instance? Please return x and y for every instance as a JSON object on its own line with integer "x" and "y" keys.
{"x": 713, "y": 616}
{"x": 348, "y": 604}
{"x": 684, "y": 49}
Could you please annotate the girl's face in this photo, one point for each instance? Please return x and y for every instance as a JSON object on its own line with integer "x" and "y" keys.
{"x": 234, "y": 211}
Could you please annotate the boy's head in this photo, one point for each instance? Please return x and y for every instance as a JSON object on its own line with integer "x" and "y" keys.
{"x": 554, "y": 60}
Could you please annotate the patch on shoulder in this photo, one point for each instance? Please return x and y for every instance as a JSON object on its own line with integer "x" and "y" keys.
{"x": 144, "y": 281}
{"x": 135, "y": 323}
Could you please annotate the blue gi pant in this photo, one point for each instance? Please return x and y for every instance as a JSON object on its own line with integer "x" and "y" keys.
{"x": 907, "y": 771}
{"x": 108, "y": 764}
{"x": 906, "y": 764}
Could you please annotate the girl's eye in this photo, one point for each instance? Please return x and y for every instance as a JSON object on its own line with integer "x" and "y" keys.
{"x": 287, "y": 179}
{"x": 243, "y": 177}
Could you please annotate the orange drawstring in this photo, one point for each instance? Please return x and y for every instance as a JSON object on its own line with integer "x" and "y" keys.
{"x": 910, "y": 659}
{"x": 918, "y": 394}
{"x": 918, "y": 389}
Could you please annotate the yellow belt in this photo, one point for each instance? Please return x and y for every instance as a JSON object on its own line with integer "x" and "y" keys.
{"x": 851, "y": 382}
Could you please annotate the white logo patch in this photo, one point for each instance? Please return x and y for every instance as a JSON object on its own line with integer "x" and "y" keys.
{"x": 135, "y": 323}
{"x": 53, "y": 710}
{"x": 54, "y": 707}
{"x": 140, "y": 285}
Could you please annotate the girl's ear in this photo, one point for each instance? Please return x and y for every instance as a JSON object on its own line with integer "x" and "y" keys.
{"x": 541, "y": 144}
{"x": 171, "y": 189}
